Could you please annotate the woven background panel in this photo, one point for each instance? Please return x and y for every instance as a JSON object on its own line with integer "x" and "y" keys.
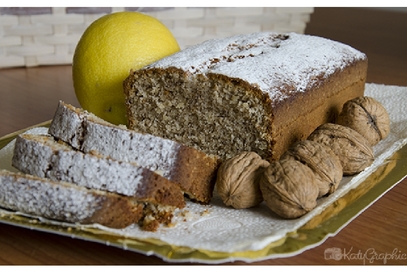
{"x": 48, "y": 35}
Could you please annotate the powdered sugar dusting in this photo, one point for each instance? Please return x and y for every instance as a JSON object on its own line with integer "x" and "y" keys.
{"x": 271, "y": 61}
{"x": 68, "y": 129}
{"x": 58, "y": 162}
{"x": 32, "y": 195}
{"x": 92, "y": 134}
{"x": 92, "y": 172}
{"x": 154, "y": 153}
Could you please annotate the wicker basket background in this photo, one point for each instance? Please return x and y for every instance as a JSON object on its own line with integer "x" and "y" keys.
{"x": 48, "y": 36}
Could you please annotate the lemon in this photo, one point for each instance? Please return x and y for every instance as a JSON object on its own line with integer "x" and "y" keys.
{"x": 106, "y": 52}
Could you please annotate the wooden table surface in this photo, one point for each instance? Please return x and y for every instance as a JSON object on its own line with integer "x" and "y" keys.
{"x": 29, "y": 96}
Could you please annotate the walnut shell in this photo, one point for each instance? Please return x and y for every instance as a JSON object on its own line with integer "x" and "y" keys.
{"x": 352, "y": 149}
{"x": 322, "y": 160}
{"x": 238, "y": 178}
{"x": 289, "y": 189}
{"x": 367, "y": 116}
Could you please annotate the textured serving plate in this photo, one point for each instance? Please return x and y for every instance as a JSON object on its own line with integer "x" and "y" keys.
{"x": 289, "y": 238}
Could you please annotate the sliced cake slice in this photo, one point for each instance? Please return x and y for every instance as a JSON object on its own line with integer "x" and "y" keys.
{"x": 66, "y": 201}
{"x": 42, "y": 156}
{"x": 193, "y": 170}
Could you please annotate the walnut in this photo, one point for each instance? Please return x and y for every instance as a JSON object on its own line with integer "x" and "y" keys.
{"x": 289, "y": 188}
{"x": 352, "y": 149}
{"x": 237, "y": 181}
{"x": 367, "y": 116}
{"x": 322, "y": 160}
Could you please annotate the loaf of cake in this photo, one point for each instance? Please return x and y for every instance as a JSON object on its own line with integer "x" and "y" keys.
{"x": 42, "y": 156}
{"x": 257, "y": 92}
{"x": 193, "y": 170}
{"x": 66, "y": 202}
